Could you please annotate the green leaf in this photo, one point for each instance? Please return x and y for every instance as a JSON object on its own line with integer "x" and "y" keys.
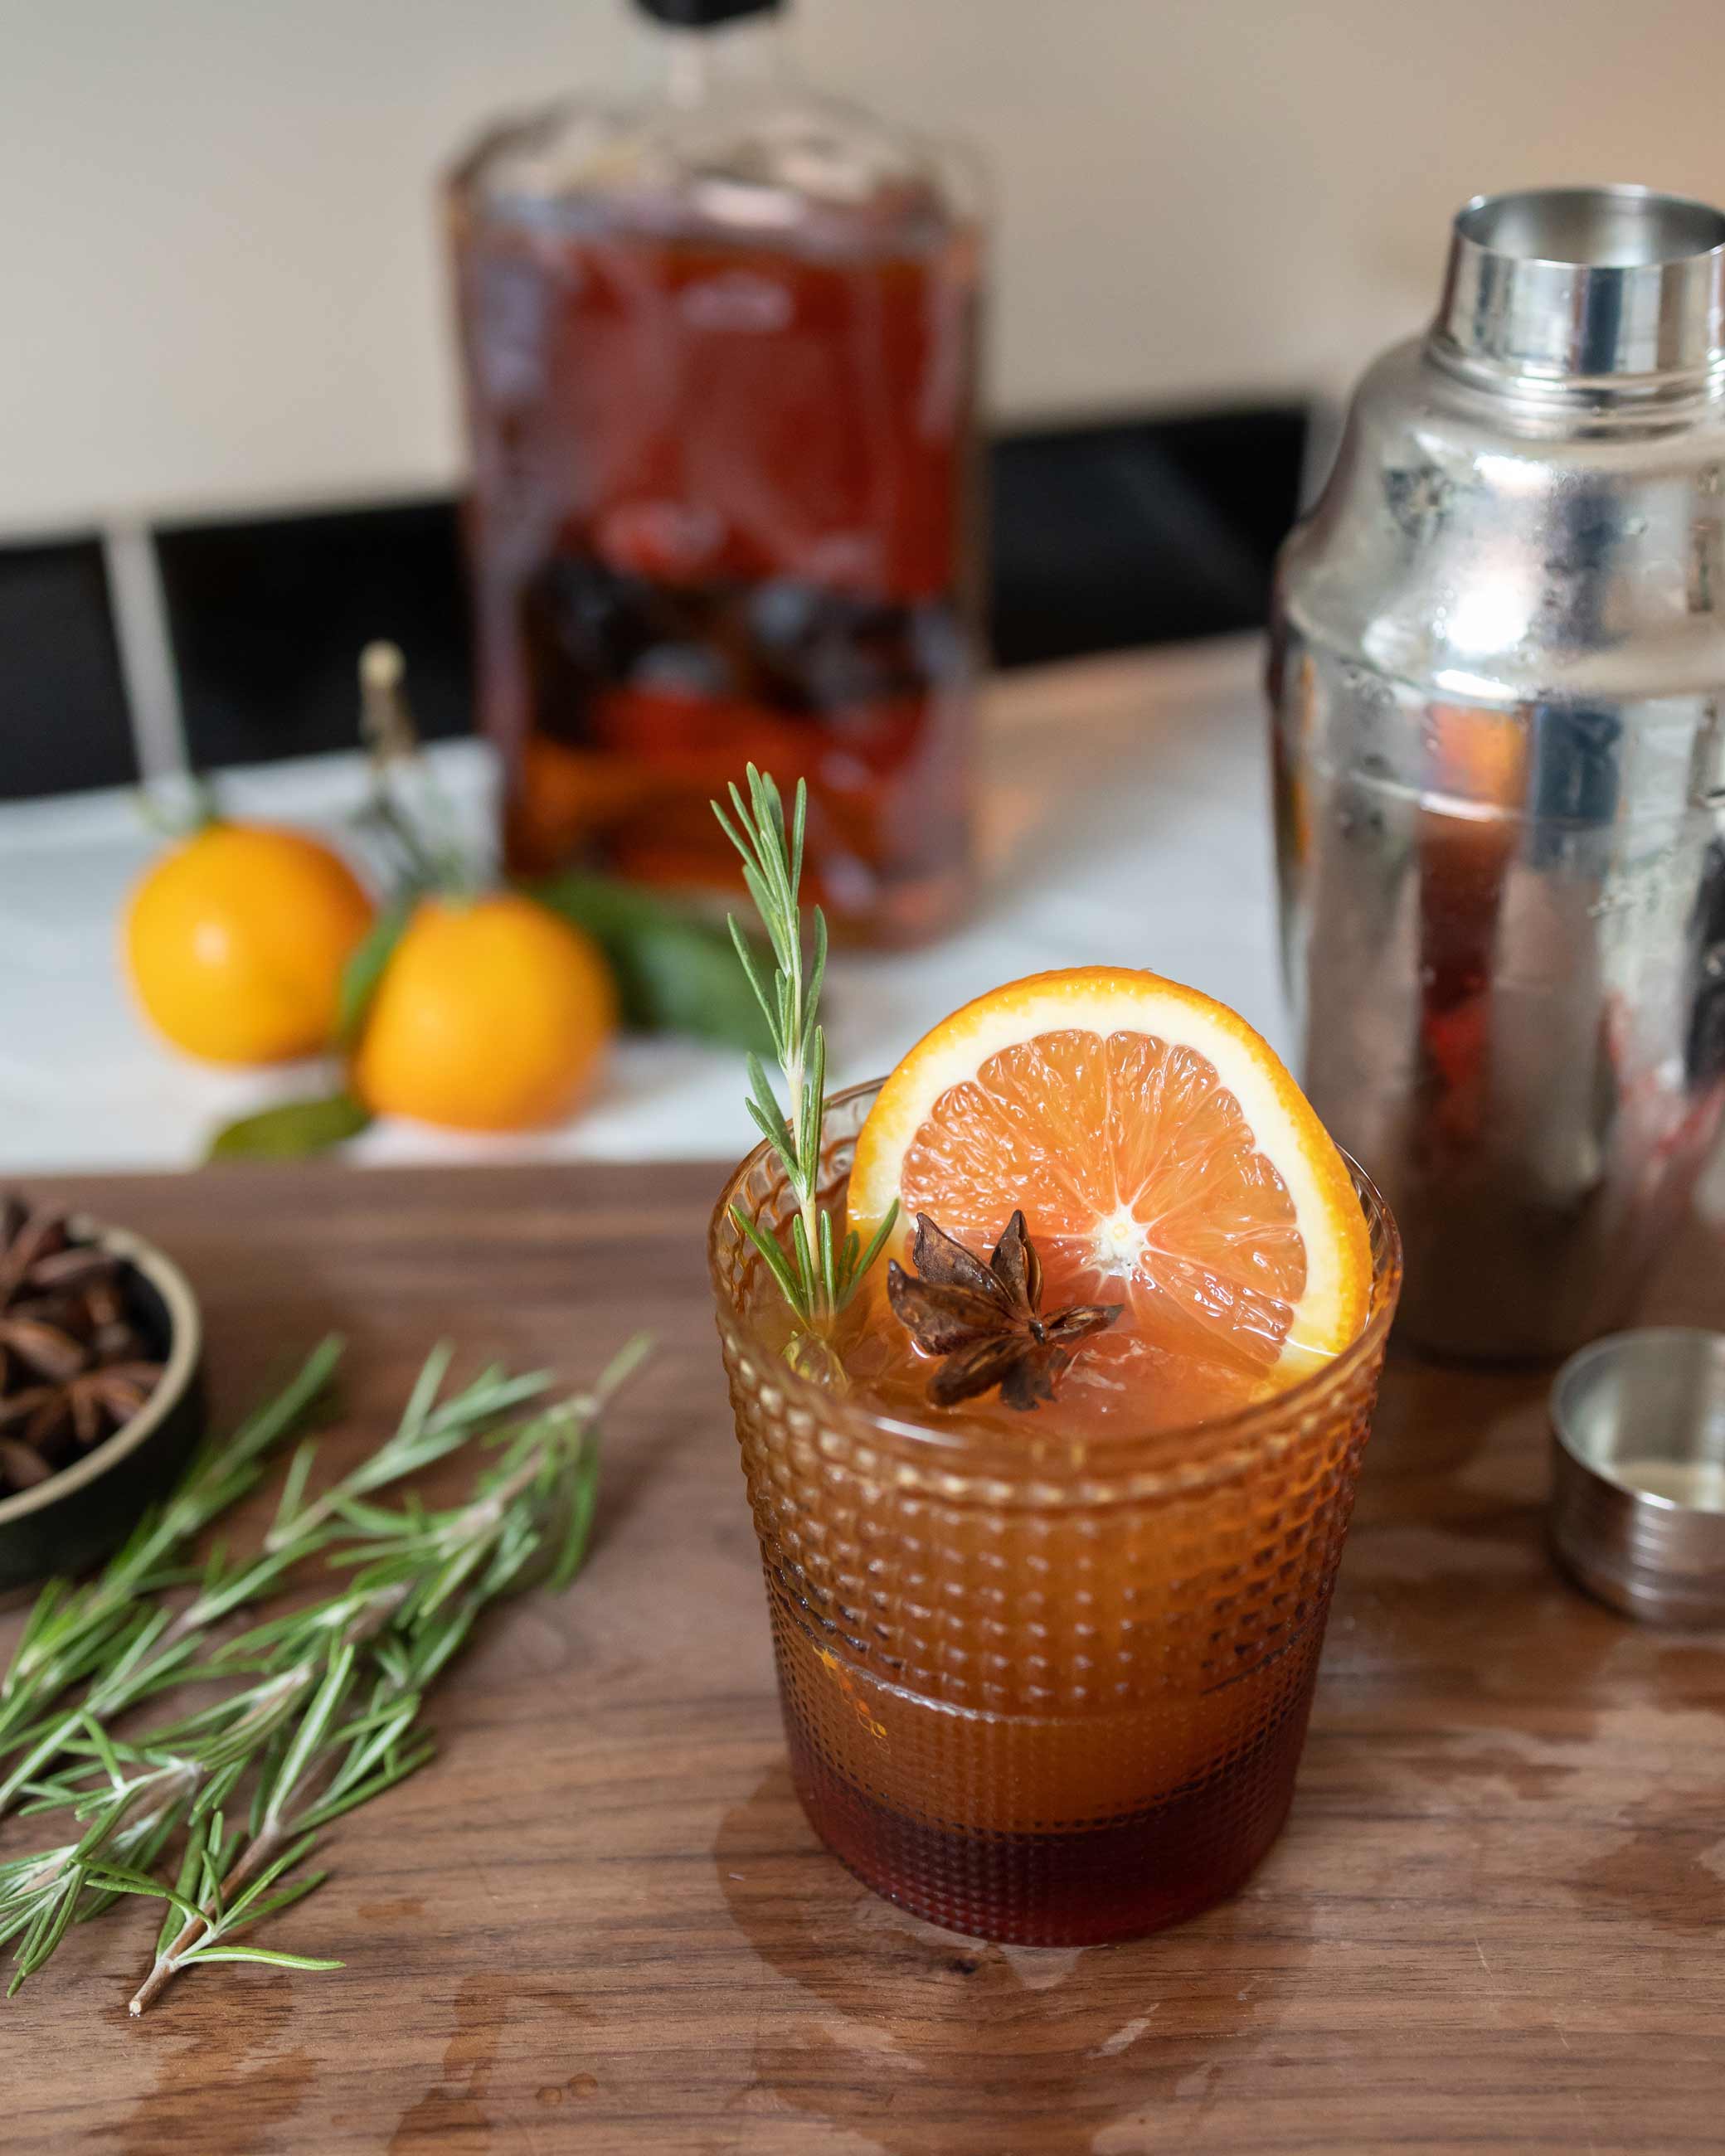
{"x": 292, "y": 1488}
{"x": 256, "y": 1911}
{"x": 409, "y": 1762}
{"x": 219, "y": 1789}
{"x": 748, "y": 958}
{"x": 676, "y": 973}
{"x": 256, "y": 1889}
{"x": 255, "y": 1953}
{"x": 314, "y": 1723}
{"x": 805, "y": 1260}
{"x": 770, "y": 1248}
{"x": 856, "y": 1268}
{"x": 115, "y": 1879}
{"x": 794, "y": 880}
{"x": 584, "y": 1491}
{"x": 51, "y": 1925}
{"x": 292, "y": 1131}
{"x": 104, "y": 1747}
{"x": 817, "y": 971}
{"x": 630, "y": 1357}
{"x": 426, "y": 1388}
{"x": 814, "y": 1110}
{"x": 366, "y": 967}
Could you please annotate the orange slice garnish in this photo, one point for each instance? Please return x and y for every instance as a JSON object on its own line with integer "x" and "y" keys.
{"x": 1162, "y": 1157}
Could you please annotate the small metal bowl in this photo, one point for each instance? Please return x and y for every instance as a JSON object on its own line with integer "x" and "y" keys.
{"x": 1638, "y": 1499}
{"x": 64, "y": 1524}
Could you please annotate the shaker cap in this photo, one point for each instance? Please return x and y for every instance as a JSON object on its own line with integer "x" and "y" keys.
{"x": 1561, "y": 286}
{"x": 1638, "y": 1486}
{"x": 705, "y": 14}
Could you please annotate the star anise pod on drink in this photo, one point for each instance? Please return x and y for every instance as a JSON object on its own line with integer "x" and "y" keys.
{"x": 986, "y": 1322}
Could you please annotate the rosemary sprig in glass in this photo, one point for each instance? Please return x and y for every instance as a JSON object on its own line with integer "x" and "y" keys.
{"x": 818, "y": 1275}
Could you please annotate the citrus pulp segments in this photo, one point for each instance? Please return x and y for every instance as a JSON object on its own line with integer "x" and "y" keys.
{"x": 1332, "y": 1303}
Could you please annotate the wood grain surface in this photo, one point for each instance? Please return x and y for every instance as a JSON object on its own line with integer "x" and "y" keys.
{"x": 598, "y": 1922}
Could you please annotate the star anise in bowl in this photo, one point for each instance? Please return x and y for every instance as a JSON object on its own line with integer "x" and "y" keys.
{"x": 74, "y": 1363}
{"x": 986, "y": 1322}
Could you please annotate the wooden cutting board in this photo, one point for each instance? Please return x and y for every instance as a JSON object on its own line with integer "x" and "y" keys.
{"x": 598, "y": 1922}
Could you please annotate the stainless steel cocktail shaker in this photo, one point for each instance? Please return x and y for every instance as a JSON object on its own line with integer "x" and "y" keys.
{"x": 1498, "y": 680}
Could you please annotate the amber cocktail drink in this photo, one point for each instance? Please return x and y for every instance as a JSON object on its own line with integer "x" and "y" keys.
{"x": 1046, "y": 1676}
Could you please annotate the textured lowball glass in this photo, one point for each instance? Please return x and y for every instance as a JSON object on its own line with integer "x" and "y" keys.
{"x": 1035, "y": 1689}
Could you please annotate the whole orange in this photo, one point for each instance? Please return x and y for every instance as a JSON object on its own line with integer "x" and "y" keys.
{"x": 492, "y": 1014}
{"x": 236, "y": 938}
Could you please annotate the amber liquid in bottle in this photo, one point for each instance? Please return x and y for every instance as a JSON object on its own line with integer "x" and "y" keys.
{"x": 719, "y": 513}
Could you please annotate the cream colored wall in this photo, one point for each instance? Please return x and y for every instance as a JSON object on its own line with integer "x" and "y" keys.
{"x": 219, "y": 277}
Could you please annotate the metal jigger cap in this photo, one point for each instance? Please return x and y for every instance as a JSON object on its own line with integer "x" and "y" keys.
{"x": 1638, "y": 1464}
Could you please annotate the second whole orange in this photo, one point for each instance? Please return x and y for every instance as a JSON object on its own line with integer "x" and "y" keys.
{"x": 492, "y": 1014}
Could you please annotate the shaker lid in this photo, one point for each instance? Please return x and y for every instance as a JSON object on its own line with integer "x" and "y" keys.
{"x": 1638, "y": 1515}
{"x": 705, "y": 14}
{"x": 1557, "y": 286}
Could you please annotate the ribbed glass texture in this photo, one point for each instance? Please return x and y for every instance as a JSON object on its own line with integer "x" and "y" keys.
{"x": 1037, "y": 1691}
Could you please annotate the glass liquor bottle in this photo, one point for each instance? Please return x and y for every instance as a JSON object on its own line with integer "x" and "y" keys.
{"x": 721, "y": 360}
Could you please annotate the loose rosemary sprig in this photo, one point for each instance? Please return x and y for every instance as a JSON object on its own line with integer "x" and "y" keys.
{"x": 72, "y": 1631}
{"x": 426, "y": 1578}
{"x": 131, "y": 1813}
{"x": 312, "y": 1748}
{"x": 819, "y": 1277}
{"x": 427, "y": 1431}
{"x": 158, "y": 1652}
